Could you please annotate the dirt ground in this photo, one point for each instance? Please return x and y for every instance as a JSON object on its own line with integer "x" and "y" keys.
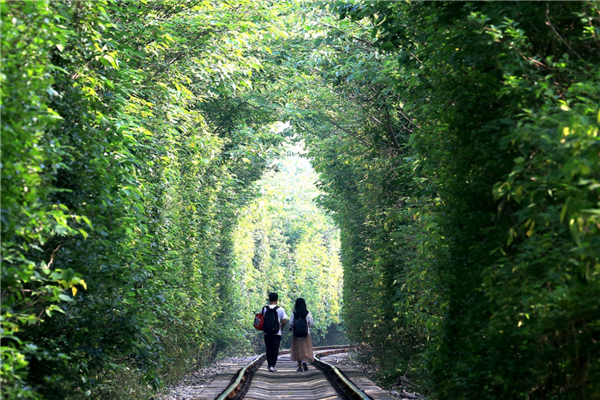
{"x": 193, "y": 384}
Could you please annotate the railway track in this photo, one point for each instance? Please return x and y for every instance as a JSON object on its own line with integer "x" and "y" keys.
{"x": 323, "y": 381}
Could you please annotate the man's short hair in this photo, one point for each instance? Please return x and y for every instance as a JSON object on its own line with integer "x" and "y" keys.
{"x": 273, "y": 297}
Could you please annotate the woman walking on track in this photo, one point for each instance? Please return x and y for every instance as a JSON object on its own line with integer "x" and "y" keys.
{"x": 300, "y": 323}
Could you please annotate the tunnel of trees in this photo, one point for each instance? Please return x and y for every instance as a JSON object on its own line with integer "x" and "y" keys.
{"x": 167, "y": 164}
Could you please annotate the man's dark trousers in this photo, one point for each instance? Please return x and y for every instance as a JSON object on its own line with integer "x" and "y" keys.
{"x": 272, "y": 343}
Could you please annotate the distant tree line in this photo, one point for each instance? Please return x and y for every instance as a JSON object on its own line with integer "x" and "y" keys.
{"x": 284, "y": 242}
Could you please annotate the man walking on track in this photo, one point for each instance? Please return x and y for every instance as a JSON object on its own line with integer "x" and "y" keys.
{"x": 275, "y": 319}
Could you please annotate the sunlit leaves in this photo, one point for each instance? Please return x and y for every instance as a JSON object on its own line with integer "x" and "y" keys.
{"x": 123, "y": 184}
{"x": 285, "y": 243}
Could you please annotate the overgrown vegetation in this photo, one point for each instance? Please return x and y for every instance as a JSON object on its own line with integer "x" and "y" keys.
{"x": 127, "y": 149}
{"x": 465, "y": 181}
{"x": 285, "y": 243}
{"x": 457, "y": 150}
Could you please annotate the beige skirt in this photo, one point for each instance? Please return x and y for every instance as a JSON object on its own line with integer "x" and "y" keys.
{"x": 302, "y": 349}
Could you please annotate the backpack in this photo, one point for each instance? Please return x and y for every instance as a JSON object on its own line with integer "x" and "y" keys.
{"x": 271, "y": 321}
{"x": 259, "y": 319}
{"x": 300, "y": 327}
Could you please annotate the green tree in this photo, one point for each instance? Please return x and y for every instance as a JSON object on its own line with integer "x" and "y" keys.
{"x": 496, "y": 90}
{"x": 285, "y": 243}
{"x": 121, "y": 156}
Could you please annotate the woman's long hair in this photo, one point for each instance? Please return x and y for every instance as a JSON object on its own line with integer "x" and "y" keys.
{"x": 300, "y": 308}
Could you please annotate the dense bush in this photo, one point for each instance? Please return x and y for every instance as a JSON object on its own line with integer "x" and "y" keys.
{"x": 491, "y": 233}
{"x": 127, "y": 150}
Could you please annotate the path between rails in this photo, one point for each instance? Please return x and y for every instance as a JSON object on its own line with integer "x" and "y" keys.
{"x": 289, "y": 384}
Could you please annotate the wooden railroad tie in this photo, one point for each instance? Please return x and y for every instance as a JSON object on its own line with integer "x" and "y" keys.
{"x": 321, "y": 382}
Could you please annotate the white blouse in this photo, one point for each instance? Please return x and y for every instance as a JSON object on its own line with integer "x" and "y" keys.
{"x": 309, "y": 321}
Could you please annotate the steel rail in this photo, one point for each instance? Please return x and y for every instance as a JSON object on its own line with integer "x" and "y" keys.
{"x": 344, "y": 386}
{"x": 240, "y": 383}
